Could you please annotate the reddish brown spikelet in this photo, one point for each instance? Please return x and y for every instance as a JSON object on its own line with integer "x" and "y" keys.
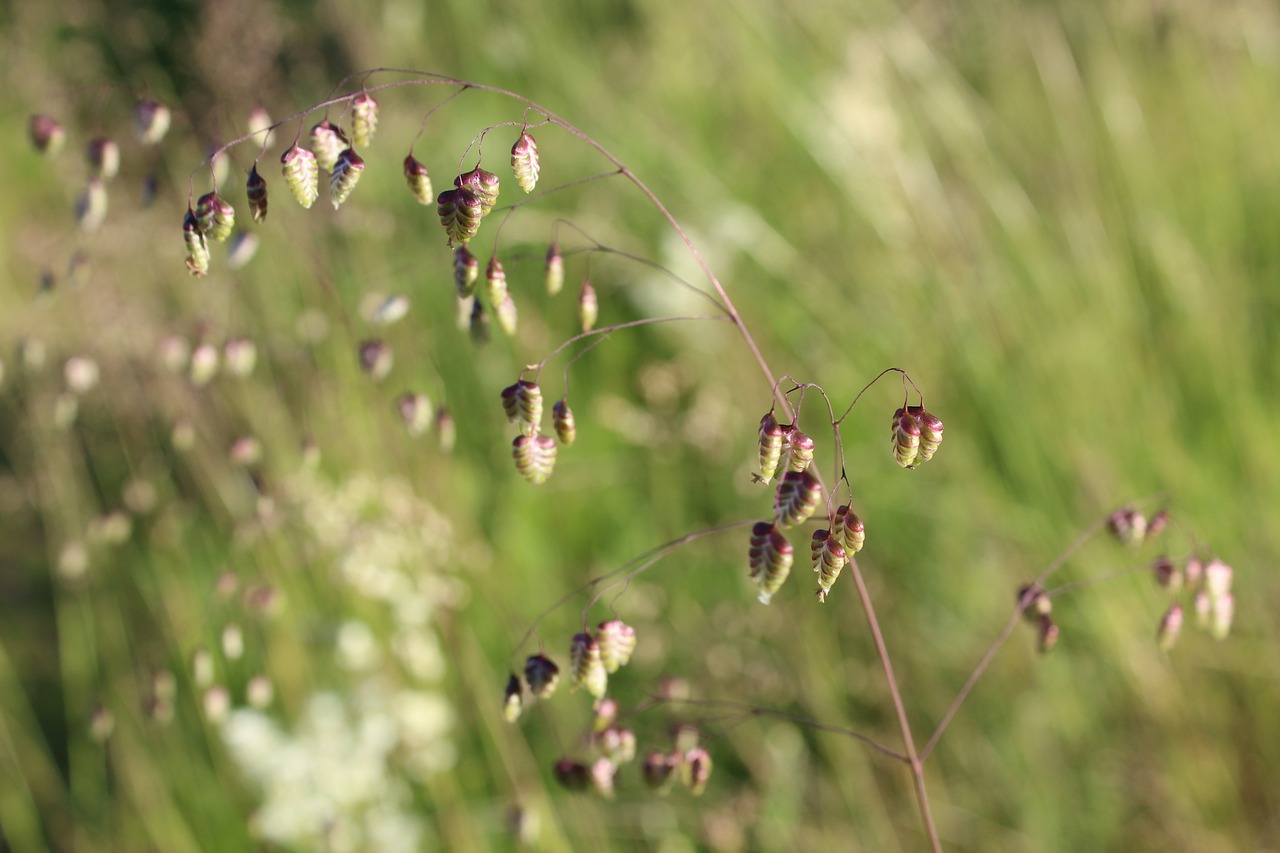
{"x": 47, "y": 135}
{"x": 542, "y": 674}
{"x": 151, "y": 121}
{"x": 1034, "y": 601}
{"x": 695, "y": 770}
{"x": 658, "y": 770}
{"x": 328, "y": 143}
{"x": 535, "y": 457}
{"x": 466, "y": 271}
{"x": 495, "y": 279}
{"x": 524, "y": 162}
{"x": 216, "y": 216}
{"x": 906, "y": 438}
{"x": 1170, "y": 628}
{"x": 562, "y": 420}
{"x": 346, "y": 172}
{"x": 757, "y": 552}
{"x": 460, "y": 213}
{"x": 554, "y": 270}
{"x": 1047, "y": 634}
{"x": 587, "y": 668}
{"x": 197, "y": 248}
{"x": 849, "y": 529}
{"x": 522, "y": 403}
{"x": 256, "y": 190}
{"x": 301, "y": 174}
{"x": 801, "y": 447}
{"x": 415, "y": 174}
{"x": 778, "y": 557}
{"x": 831, "y": 559}
{"x": 1128, "y": 525}
{"x": 797, "y": 498}
{"x": 103, "y": 156}
{"x": 364, "y": 119}
{"x": 483, "y": 184}
{"x": 572, "y": 775}
{"x": 930, "y": 432}
{"x": 770, "y": 446}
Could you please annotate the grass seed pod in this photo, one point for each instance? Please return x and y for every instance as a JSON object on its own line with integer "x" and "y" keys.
{"x": 524, "y": 162}
{"x": 415, "y": 174}
{"x": 346, "y": 172}
{"x": 256, "y": 190}
{"x": 301, "y": 174}
{"x": 364, "y": 119}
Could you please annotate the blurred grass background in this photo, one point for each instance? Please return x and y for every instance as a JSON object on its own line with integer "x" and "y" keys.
{"x": 1060, "y": 219}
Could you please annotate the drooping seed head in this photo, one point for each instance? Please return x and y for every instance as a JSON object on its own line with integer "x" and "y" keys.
{"x": 906, "y": 438}
{"x": 801, "y": 450}
{"x": 376, "y": 358}
{"x": 151, "y": 121}
{"x": 849, "y": 529}
{"x": 216, "y": 216}
{"x": 301, "y": 174}
{"x": 588, "y": 306}
{"x": 562, "y": 420}
{"x": 572, "y": 775}
{"x": 524, "y": 161}
{"x": 778, "y": 557}
{"x": 510, "y": 402}
{"x": 240, "y": 355}
{"x": 930, "y": 432}
{"x": 606, "y": 710}
{"x": 511, "y": 699}
{"x": 446, "y": 429}
{"x": 797, "y": 498}
{"x": 1193, "y": 571}
{"x": 507, "y": 316}
{"x": 1166, "y": 573}
{"x": 460, "y": 212}
{"x": 1223, "y": 612}
{"x": 256, "y": 190}
{"x": 602, "y": 772}
{"x": 364, "y": 119}
{"x": 617, "y": 745}
{"x": 535, "y": 457}
{"x": 466, "y": 271}
{"x": 1170, "y": 627}
{"x": 831, "y": 559}
{"x": 1128, "y": 526}
{"x": 658, "y": 770}
{"x": 416, "y": 412}
{"x": 617, "y": 642}
{"x": 1217, "y": 579}
{"x": 542, "y": 674}
{"x": 47, "y": 135}
{"x": 483, "y": 184}
{"x": 415, "y": 174}
{"x": 770, "y": 445}
{"x": 553, "y": 271}
{"x": 586, "y": 667}
{"x": 103, "y": 156}
{"x": 528, "y": 406}
{"x": 328, "y": 142}
{"x": 91, "y": 205}
{"x": 495, "y": 281}
{"x": 1034, "y": 601}
{"x": 346, "y": 172}
{"x": 695, "y": 770}
{"x": 197, "y": 248}
{"x": 1047, "y": 634}
{"x": 1158, "y": 523}
{"x": 757, "y": 552}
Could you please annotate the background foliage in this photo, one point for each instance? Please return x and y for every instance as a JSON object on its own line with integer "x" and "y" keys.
{"x": 1060, "y": 219}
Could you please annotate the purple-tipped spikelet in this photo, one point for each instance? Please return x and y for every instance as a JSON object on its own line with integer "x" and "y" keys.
{"x": 416, "y": 412}
{"x": 816, "y": 546}
{"x": 771, "y": 435}
{"x": 1170, "y": 627}
{"x": 528, "y": 406}
{"x": 466, "y": 271}
{"x": 617, "y": 641}
{"x": 1034, "y": 601}
{"x": 197, "y": 248}
{"x": 510, "y": 402}
{"x": 256, "y": 190}
{"x": 801, "y": 447}
{"x": 535, "y": 457}
{"x": 483, "y": 184}
{"x": 346, "y": 172}
{"x": 1158, "y": 523}
{"x": 542, "y": 674}
{"x": 588, "y": 306}
{"x": 906, "y": 438}
{"x": 415, "y": 174}
{"x": 758, "y": 551}
{"x": 554, "y": 270}
{"x": 849, "y": 530}
{"x": 695, "y": 770}
{"x": 1047, "y": 634}
{"x": 376, "y": 358}
{"x": 446, "y": 429}
{"x": 930, "y": 432}
{"x": 150, "y": 121}
{"x": 460, "y": 213}
{"x": 91, "y": 205}
{"x": 524, "y": 161}
{"x": 1128, "y": 526}
{"x": 364, "y": 119}
{"x": 617, "y": 745}
{"x": 562, "y": 420}
{"x": 830, "y": 560}
{"x": 658, "y": 770}
{"x": 572, "y": 775}
{"x": 328, "y": 142}
{"x": 511, "y": 700}
{"x": 778, "y": 557}
{"x": 216, "y": 216}
{"x": 47, "y": 135}
{"x": 1166, "y": 573}
{"x": 606, "y": 710}
{"x": 507, "y": 315}
{"x": 301, "y": 174}
{"x": 586, "y": 667}
{"x": 796, "y": 498}
{"x": 495, "y": 281}
{"x": 602, "y": 772}
{"x": 103, "y": 156}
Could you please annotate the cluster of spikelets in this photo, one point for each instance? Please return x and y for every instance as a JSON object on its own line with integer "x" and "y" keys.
{"x": 151, "y": 120}
{"x": 533, "y": 451}
{"x": 1206, "y": 582}
{"x": 799, "y": 493}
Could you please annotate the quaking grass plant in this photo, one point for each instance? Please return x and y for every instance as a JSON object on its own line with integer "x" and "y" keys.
{"x": 798, "y": 504}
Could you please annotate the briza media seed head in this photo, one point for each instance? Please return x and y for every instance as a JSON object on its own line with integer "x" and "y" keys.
{"x": 778, "y": 557}
{"x": 606, "y": 710}
{"x": 416, "y": 412}
{"x": 535, "y": 457}
{"x": 1128, "y": 526}
{"x": 1166, "y": 573}
{"x": 757, "y": 551}
{"x": 906, "y": 438}
{"x": 91, "y": 206}
{"x": 460, "y": 212}
{"x": 930, "y": 432}
{"x": 446, "y": 429}
{"x": 695, "y": 770}
{"x": 364, "y": 119}
{"x": 522, "y": 403}
{"x": 542, "y": 674}
{"x": 1170, "y": 627}
{"x": 466, "y": 271}
{"x": 256, "y": 190}
{"x": 1158, "y": 523}
{"x": 658, "y": 770}
{"x": 602, "y": 773}
{"x": 1222, "y": 613}
{"x": 511, "y": 699}
{"x": 216, "y": 216}
{"x": 849, "y": 530}
{"x": 830, "y": 559}
{"x": 328, "y": 143}
{"x": 47, "y": 135}
{"x": 495, "y": 280}
{"x": 797, "y": 498}
{"x": 1217, "y": 578}
{"x": 801, "y": 450}
{"x": 1034, "y": 601}
{"x": 617, "y": 745}
{"x": 524, "y": 161}
{"x": 151, "y": 121}
{"x": 588, "y": 306}
{"x": 572, "y": 775}
{"x": 415, "y": 174}
{"x": 346, "y": 172}
{"x": 483, "y": 184}
{"x": 770, "y": 446}
{"x": 586, "y": 667}
{"x": 1047, "y": 634}
{"x": 197, "y": 247}
{"x": 617, "y": 642}
{"x": 103, "y": 156}
{"x": 507, "y": 316}
{"x": 301, "y": 174}
{"x": 376, "y": 359}
{"x": 553, "y": 271}
{"x": 562, "y": 420}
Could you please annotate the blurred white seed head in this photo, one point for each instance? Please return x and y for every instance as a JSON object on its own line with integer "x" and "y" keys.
{"x": 73, "y": 561}
{"x": 81, "y": 374}
{"x": 232, "y": 641}
{"x": 240, "y": 356}
{"x": 245, "y": 451}
{"x": 217, "y": 702}
{"x": 204, "y": 364}
{"x": 139, "y": 496}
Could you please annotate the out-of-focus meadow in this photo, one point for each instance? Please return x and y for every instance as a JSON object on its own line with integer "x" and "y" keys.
{"x": 251, "y": 609}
